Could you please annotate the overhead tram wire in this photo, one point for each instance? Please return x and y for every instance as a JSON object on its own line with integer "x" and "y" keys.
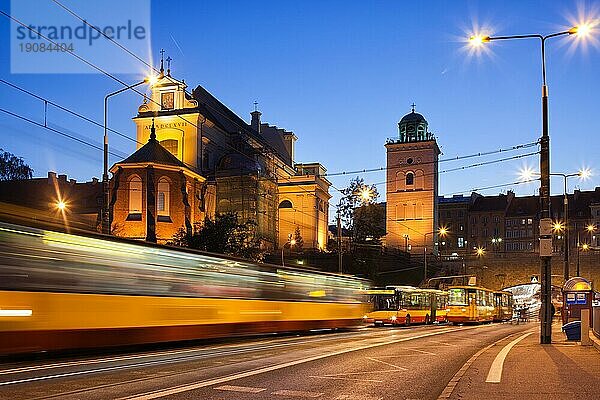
{"x": 61, "y": 133}
{"x": 481, "y": 154}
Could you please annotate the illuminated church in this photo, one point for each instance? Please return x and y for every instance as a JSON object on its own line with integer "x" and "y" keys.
{"x": 195, "y": 158}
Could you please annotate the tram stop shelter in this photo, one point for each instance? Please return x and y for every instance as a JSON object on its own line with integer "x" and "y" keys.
{"x": 577, "y": 295}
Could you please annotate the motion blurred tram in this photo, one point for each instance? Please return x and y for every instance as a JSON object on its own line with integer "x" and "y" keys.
{"x": 477, "y": 304}
{"x": 64, "y": 291}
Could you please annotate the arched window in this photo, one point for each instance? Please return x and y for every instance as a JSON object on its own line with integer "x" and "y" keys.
{"x": 286, "y": 204}
{"x": 172, "y": 145}
{"x": 410, "y": 179}
{"x": 400, "y": 180}
{"x": 135, "y": 195}
{"x": 162, "y": 200}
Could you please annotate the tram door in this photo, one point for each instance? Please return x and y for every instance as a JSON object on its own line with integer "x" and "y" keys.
{"x": 472, "y": 299}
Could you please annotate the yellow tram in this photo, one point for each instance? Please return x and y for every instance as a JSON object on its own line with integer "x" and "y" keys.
{"x": 470, "y": 304}
{"x": 61, "y": 291}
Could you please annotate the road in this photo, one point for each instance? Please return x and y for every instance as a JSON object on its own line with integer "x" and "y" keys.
{"x": 362, "y": 364}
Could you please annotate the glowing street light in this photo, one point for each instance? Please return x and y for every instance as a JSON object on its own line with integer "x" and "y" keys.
{"x": 443, "y": 231}
{"x": 366, "y": 194}
{"x": 480, "y": 251}
{"x": 558, "y": 226}
{"x": 61, "y": 205}
{"x": 478, "y": 40}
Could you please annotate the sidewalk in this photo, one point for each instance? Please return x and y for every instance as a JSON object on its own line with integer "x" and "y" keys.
{"x": 561, "y": 370}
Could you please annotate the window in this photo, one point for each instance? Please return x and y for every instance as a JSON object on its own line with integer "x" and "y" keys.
{"x": 167, "y": 100}
{"x": 496, "y": 219}
{"x": 461, "y": 242}
{"x": 135, "y": 195}
{"x": 410, "y": 179}
{"x": 162, "y": 200}
{"x": 529, "y": 221}
{"x": 171, "y": 145}
{"x": 286, "y": 204}
{"x": 485, "y": 220}
{"x": 522, "y": 222}
{"x": 461, "y": 228}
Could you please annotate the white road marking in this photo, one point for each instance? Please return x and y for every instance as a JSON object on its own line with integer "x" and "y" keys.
{"x": 387, "y": 363}
{"x": 346, "y": 379}
{"x": 298, "y": 393}
{"x": 495, "y": 374}
{"x": 422, "y": 351}
{"x": 185, "y": 388}
{"x": 245, "y": 389}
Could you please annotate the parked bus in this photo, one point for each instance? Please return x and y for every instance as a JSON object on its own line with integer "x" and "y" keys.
{"x": 503, "y": 306}
{"x": 406, "y": 305}
{"x": 470, "y": 304}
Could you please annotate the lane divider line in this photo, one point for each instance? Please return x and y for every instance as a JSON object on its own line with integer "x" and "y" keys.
{"x": 188, "y": 387}
{"x": 495, "y": 374}
{"x": 447, "y": 392}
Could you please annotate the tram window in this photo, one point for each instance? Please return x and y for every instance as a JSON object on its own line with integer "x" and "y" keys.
{"x": 457, "y": 296}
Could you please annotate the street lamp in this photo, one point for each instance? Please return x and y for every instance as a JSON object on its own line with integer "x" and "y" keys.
{"x": 442, "y": 232}
{"x": 61, "y": 205}
{"x": 105, "y": 190}
{"x": 479, "y": 40}
{"x": 580, "y": 247}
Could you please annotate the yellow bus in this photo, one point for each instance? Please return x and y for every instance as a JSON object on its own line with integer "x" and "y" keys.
{"x": 406, "y": 305}
{"x": 470, "y": 304}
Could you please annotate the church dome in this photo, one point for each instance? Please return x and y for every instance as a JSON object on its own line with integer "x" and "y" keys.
{"x": 413, "y": 117}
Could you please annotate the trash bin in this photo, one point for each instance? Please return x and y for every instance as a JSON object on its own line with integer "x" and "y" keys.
{"x": 572, "y": 330}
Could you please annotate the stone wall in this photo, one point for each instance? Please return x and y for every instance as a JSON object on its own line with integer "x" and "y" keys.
{"x": 499, "y": 271}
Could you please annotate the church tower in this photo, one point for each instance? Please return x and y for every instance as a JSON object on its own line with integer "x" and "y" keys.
{"x": 412, "y": 186}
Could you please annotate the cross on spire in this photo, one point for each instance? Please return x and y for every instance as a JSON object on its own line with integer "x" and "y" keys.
{"x": 169, "y": 59}
{"x": 255, "y": 106}
{"x": 413, "y": 105}
{"x": 162, "y": 59}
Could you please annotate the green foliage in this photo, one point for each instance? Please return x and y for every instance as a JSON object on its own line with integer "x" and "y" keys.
{"x": 353, "y": 198}
{"x": 224, "y": 235}
{"x": 13, "y": 167}
{"x": 369, "y": 224}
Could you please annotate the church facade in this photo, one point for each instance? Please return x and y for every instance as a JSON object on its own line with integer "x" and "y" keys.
{"x": 219, "y": 164}
{"x": 412, "y": 186}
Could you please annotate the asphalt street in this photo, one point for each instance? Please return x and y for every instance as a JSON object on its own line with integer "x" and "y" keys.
{"x": 362, "y": 364}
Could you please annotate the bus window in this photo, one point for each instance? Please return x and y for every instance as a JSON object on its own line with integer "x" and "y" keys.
{"x": 385, "y": 302}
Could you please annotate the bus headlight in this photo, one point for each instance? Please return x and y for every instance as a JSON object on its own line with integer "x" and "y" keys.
{"x": 463, "y": 309}
{"x": 365, "y": 316}
{"x": 393, "y": 318}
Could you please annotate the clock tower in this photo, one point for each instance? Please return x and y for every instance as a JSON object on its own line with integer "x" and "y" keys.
{"x": 412, "y": 186}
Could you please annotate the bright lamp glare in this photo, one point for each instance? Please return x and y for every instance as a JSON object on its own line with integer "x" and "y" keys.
{"x": 478, "y": 40}
{"x": 61, "y": 205}
{"x": 585, "y": 173}
{"x": 151, "y": 79}
{"x": 527, "y": 174}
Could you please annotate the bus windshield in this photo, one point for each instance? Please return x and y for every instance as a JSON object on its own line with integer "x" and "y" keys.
{"x": 385, "y": 302}
{"x": 457, "y": 297}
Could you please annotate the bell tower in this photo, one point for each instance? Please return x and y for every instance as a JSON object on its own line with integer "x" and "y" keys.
{"x": 412, "y": 186}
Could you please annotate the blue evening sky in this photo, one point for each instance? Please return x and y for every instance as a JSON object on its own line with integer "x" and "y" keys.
{"x": 341, "y": 74}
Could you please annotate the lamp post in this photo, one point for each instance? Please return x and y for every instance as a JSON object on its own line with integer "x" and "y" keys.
{"x": 545, "y": 264}
{"x": 591, "y": 228}
{"x": 580, "y": 247}
{"x": 442, "y": 232}
{"x": 290, "y": 242}
{"x": 105, "y": 189}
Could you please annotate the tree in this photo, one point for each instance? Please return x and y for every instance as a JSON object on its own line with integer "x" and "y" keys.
{"x": 225, "y": 235}
{"x": 369, "y": 224}
{"x": 356, "y": 195}
{"x": 299, "y": 242}
{"x": 13, "y": 167}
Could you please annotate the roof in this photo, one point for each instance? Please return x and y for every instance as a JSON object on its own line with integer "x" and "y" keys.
{"x": 454, "y": 199}
{"x": 153, "y": 152}
{"x": 413, "y": 117}
{"x": 490, "y": 203}
{"x": 213, "y": 109}
{"x": 523, "y": 206}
